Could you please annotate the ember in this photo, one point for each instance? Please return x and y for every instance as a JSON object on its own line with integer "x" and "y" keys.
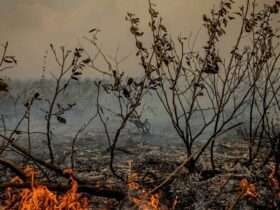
{"x": 274, "y": 182}
{"x": 248, "y": 190}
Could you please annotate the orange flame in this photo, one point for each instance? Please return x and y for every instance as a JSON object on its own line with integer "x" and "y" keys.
{"x": 248, "y": 190}
{"x": 139, "y": 195}
{"x": 39, "y": 197}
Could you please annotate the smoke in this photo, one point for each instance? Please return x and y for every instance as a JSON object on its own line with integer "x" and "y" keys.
{"x": 30, "y": 25}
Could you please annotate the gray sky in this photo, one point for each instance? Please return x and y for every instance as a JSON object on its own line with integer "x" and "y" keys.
{"x": 30, "y": 25}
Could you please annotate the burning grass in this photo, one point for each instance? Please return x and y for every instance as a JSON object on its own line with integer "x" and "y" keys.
{"x": 236, "y": 186}
{"x": 139, "y": 195}
{"x": 39, "y": 197}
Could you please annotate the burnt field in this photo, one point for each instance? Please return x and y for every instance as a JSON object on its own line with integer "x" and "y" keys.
{"x": 192, "y": 129}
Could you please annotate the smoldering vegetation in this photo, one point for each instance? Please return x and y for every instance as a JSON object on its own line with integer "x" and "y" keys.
{"x": 195, "y": 123}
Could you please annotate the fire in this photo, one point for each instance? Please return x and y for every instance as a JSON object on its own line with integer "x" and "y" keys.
{"x": 39, "y": 197}
{"x": 139, "y": 195}
{"x": 141, "y": 200}
{"x": 248, "y": 189}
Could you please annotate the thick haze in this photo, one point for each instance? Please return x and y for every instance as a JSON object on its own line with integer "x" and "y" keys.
{"x": 30, "y": 25}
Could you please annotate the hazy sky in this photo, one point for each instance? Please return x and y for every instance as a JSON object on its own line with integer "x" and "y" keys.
{"x": 30, "y": 25}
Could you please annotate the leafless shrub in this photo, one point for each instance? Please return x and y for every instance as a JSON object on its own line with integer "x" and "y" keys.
{"x": 263, "y": 75}
{"x": 6, "y": 62}
{"x": 195, "y": 85}
{"x": 71, "y": 65}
